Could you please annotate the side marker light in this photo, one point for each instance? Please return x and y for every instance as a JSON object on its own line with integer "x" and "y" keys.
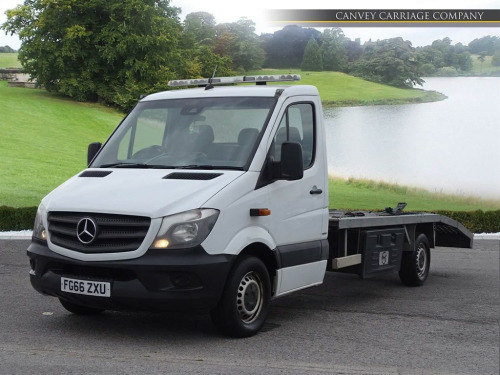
{"x": 260, "y": 212}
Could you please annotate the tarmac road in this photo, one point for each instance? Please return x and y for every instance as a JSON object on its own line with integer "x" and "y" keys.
{"x": 346, "y": 326}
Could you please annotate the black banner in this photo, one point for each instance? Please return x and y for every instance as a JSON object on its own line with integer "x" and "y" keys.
{"x": 385, "y": 17}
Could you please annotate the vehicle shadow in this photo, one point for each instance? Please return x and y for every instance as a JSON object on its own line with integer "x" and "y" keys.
{"x": 338, "y": 293}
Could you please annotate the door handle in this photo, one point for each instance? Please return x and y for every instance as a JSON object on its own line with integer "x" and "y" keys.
{"x": 315, "y": 190}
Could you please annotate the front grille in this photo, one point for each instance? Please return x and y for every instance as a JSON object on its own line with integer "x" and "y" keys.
{"x": 115, "y": 233}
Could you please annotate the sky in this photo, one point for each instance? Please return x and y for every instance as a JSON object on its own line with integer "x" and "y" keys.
{"x": 231, "y": 11}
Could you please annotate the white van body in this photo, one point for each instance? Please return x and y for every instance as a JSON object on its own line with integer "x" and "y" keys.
{"x": 216, "y": 198}
{"x": 295, "y": 220}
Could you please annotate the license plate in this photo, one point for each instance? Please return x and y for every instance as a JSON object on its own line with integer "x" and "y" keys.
{"x": 86, "y": 287}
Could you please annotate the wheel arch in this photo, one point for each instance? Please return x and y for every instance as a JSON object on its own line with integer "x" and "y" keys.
{"x": 428, "y": 230}
{"x": 414, "y": 230}
{"x": 269, "y": 257}
{"x": 257, "y": 242}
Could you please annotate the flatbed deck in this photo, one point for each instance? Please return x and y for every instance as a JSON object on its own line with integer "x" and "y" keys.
{"x": 446, "y": 229}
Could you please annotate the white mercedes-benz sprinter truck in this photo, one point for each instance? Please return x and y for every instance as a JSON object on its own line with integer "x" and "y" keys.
{"x": 215, "y": 198}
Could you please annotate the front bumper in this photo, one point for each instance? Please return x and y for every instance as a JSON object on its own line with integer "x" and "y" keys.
{"x": 174, "y": 280}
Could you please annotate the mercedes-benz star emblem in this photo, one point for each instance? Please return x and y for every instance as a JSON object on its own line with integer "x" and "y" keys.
{"x": 86, "y": 230}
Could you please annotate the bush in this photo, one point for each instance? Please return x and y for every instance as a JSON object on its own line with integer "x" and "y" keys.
{"x": 17, "y": 218}
{"x": 447, "y": 71}
{"x": 476, "y": 221}
{"x": 427, "y": 69}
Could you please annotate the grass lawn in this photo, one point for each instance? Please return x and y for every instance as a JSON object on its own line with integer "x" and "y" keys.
{"x": 485, "y": 67}
{"x": 372, "y": 195}
{"x": 44, "y": 141}
{"x": 9, "y": 60}
{"x": 341, "y": 89}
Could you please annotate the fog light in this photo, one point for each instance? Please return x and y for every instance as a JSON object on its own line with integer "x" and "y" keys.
{"x": 185, "y": 280}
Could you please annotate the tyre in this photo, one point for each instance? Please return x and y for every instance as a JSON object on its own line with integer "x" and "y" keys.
{"x": 244, "y": 304}
{"x": 415, "y": 265}
{"x": 79, "y": 309}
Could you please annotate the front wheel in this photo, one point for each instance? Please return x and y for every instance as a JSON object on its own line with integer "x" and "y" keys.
{"x": 244, "y": 305}
{"x": 415, "y": 265}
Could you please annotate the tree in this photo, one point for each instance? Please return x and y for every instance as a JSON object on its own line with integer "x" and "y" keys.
{"x": 106, "y": 50}
{"x": 334, "y": 50}
{"x": 312, "y": 57}
{"x": 238, "y": 41}
{"x": 431, "y": 55}
{"x": 461, "y": 58}
{"x": 201, "y": 62}
{"x": 488, "y": 44}
{"x": 463, "y": 61}
{"x": 197, "y": 46}
{"x": 481, "y": 58}
{"x": 285, "y": 48}
{"x": 391, "y": 61}
{"x": 199, "y": 29}
{"x": 443, "y": 54}
{"x": 7, "y": 49}
{"x": 446, "y": 49}
{"x": 354, "y": 50}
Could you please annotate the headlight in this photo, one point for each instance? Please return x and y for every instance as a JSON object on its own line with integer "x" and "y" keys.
{"x": 39, "y": 231}
{"x": 186, "y": 229}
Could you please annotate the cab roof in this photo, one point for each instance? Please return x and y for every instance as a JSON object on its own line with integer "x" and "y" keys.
{"x": 243, "y": 90}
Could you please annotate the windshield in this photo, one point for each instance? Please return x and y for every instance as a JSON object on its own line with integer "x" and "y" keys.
{"x": 200, "y": 133}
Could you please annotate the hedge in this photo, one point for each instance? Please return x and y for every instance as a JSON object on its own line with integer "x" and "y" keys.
{"x": 475, "y": 221}
{"x": 17, "y": 218}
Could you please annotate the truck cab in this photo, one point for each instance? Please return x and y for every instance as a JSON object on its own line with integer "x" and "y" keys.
{"x": 213, "y": 198}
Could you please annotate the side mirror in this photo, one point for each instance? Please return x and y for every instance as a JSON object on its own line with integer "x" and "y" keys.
{"x": 292, "y": 165}
{"x": 92, "y": 151}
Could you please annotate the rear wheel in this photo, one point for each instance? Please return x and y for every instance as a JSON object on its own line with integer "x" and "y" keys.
{"x": 415, "y": 265}
{"x": 244, "y": 305}
{"x": 79, "y": 309}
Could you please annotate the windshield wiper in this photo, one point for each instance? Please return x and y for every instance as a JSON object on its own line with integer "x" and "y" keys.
{"x": 137, "y": 165}
{"x": 196, "y": 166}
{"x": 208, "y": 166}
{"x": 124, "y": 165}
{"x": 230, "y": 168}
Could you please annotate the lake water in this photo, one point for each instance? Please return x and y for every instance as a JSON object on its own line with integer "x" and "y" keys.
{"x": 450, "y": 146}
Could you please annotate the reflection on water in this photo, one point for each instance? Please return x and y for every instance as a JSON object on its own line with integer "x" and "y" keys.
{"x": 450, "y": 146}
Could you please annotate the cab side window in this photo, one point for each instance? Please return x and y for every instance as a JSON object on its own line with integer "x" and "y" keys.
{"x": 297, "y": 125}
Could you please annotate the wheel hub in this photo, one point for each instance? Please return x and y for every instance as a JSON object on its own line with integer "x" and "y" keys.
{"x": 249, "y": 299}
{"x": 421, "y": 260}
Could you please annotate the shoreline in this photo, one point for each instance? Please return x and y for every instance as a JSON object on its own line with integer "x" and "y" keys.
{"x": 429, "y": 97}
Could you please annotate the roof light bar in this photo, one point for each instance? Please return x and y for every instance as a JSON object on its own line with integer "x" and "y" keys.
{"x": 238, "y": 79}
